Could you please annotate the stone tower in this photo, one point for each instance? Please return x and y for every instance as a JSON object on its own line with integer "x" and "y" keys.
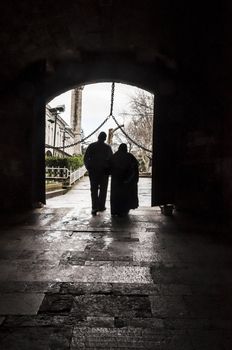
{"x": 76, "y": 111}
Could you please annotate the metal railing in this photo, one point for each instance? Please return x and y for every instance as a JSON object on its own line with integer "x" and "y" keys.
{"x": 53, "y": 173}
{"x": 77, "y": 174}
{"x": 64, "y": 174}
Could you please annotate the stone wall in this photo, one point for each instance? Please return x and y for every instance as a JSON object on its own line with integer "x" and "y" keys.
{"x": 149, "y": 44}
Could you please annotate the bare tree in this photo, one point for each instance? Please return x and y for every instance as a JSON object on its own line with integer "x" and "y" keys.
{"x": 138, "y": 121}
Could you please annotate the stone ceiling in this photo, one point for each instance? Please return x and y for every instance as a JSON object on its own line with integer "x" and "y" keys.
{"x": 36, "y": 30}
{"x": 75, "y": 29}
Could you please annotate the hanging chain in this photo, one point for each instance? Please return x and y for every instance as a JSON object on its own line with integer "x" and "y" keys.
{"x": 129, "y": 138}
{"x": 82, "y": 140}
{"x": 112, "y": 98}
{"x": 110, "y": 115}
{"x": 119, "y": 126}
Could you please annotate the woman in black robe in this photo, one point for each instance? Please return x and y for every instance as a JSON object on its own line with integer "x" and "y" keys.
{"x": 124, "y": 182}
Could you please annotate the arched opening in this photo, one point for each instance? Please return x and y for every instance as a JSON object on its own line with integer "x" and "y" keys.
{"x": 155, "y": 78}
{"x": 48, "y": 153}
{"x": 82, "y": 113}
{"x": 155, "y": 55}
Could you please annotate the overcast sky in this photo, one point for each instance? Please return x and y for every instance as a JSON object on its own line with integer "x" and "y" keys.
{"x": 96, "y": 104}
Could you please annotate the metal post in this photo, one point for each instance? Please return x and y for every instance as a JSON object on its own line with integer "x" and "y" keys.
{"x": 54, "y": 137}
{"x": 55, "y": 111}
{"x": 110, "y": 136}
{"x": 63, "y": 141}
{"x": 111, "y": 133}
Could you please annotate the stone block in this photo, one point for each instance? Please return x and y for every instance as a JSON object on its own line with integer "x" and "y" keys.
{"x": 38, "y": 338}
{"x": 56, "y": 304}
{"x": 20, "y": 303}
{"x": 111, "y": 306}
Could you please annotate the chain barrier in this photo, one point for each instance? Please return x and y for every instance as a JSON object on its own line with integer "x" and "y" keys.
{"x": 110, "y": 115}
{"x": 112, "y": 98}
{"x": 129, "y": 138}
{"x": 82, "y": 140}
{"x": 119, "y": 126}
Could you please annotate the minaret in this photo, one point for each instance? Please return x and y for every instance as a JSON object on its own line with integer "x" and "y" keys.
{"x": 76, "y": 111}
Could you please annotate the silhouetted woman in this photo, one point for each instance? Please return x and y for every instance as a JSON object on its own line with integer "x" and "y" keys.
{"x": 124, "y": 182}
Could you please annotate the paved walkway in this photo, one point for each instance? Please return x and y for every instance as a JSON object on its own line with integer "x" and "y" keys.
{"x": 72, "y": 281}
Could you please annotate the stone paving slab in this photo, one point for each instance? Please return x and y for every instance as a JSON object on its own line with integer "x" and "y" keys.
{"x": 56, "y": 304}
{"x": 53, "y": 320}
{"x": 31, "y": 287}
{"x": 208, "y": 306}
{"x": 142, "y": 282}
{"x": 100, "y": 305}
{"x": 76, "y": 288}
{"x": 36, "y": 338}
{"x": 211, "y": 339}
{"x": 40, "y": 255}
{"x": 104, "y": 274}
{"x": 164, "y": 306}
{"x": 20, "y": 303}
{"x": 189, "y": 274}
{"x": 128, "y": 338}
{"x": 79, "y": 258}
{"x": 197, "y": 323}
{"x": 111, "y": 306}
{"x": 58, "y": 320}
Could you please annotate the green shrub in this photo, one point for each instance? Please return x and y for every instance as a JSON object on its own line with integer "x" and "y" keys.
{"x": 73, "y": 162}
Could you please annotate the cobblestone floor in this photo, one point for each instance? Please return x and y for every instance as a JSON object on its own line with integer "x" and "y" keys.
{"x": 72, "y": 281}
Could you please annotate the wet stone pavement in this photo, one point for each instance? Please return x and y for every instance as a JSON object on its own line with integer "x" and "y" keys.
{"x": 72, "y": 281}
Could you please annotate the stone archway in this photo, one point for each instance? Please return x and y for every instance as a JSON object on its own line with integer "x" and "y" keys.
{"x": 148, "y": 77}
{"x": 46, "y": 52}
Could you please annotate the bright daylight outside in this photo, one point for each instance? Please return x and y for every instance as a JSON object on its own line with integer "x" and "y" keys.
{"x": 74, "y": 120}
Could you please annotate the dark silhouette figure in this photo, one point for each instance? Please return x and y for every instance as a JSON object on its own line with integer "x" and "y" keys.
{"x": 97, "y": 161}
{"x": 124, "y": 182}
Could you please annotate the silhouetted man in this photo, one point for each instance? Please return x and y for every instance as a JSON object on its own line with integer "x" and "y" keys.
{"x": 96, "y": 159}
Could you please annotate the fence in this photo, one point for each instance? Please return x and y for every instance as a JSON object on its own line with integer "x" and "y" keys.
{"x": 77, "y": 174}
{"x": 68, "y": 177}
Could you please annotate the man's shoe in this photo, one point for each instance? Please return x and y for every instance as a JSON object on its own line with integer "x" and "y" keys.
{"x": 94, "y": 212}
